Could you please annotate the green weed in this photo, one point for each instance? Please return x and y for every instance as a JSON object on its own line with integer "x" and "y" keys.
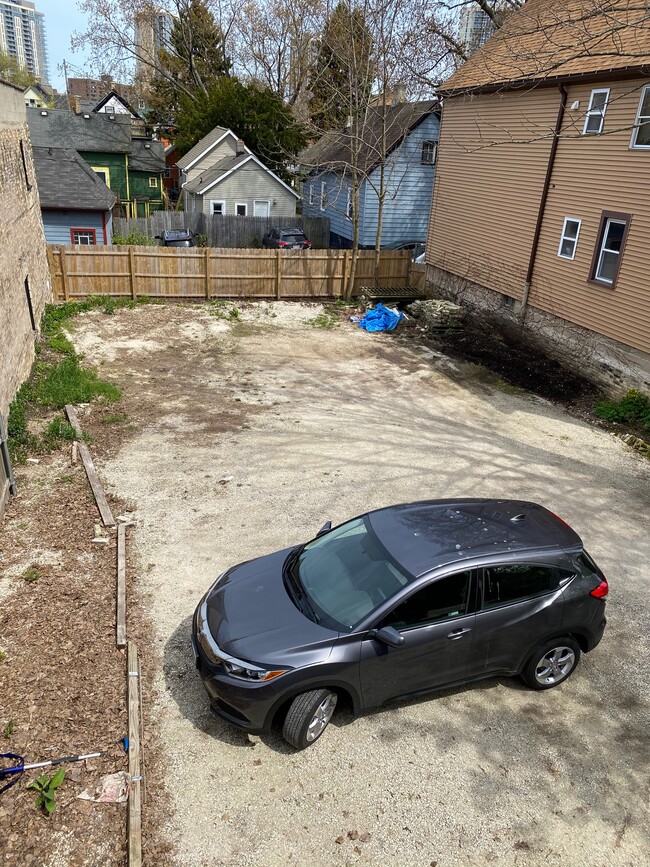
{"x": 32, "y": 574}
{"x": 135, "y": 238}
{"x": 3, "y": 655}
{"x": 114, "y": 418}
{"x": 45, "y": 787}
{"x": 324, "y": 320}
{"x": 69, "y": 382}
{"x": 8, "y": 730}
{"x": 633, "y": 408}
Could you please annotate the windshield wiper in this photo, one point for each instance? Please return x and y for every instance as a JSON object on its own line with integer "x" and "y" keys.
{"x": 297, "y": 591}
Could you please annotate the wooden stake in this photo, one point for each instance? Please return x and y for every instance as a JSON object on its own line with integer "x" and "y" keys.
{"x": 135, "y": 815}
{"x": 98, "y": 492}
{"x": 120, "y": 619}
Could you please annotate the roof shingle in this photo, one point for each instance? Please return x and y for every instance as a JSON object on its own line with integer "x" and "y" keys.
{"x": 65, "y": 181}
{"x": 202, "y": 145}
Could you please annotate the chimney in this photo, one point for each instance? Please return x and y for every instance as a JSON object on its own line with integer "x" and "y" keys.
{"x": 75, "y": 103}
{"x": 241, "y": 149}
{"x": 399, "y": 93}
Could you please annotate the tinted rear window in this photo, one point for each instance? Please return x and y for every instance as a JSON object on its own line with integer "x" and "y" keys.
{"x": 293, "y": 239}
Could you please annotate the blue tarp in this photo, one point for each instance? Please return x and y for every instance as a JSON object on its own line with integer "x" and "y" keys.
{"x": 380, "y": 318}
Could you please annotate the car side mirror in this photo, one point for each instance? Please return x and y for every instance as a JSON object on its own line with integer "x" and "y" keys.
{"x": 327, "y": 526}
{"x": 390, "y": 636}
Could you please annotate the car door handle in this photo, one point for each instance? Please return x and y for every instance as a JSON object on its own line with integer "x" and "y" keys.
{"x": 458, "y": 633}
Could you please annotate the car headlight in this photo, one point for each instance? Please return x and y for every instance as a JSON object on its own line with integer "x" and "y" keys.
{"x": 246, "y": 671}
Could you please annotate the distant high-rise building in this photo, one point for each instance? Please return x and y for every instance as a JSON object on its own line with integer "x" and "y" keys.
{"x": 476, "y": 27}
{"x": 22, "y": 36}
{"x": 152, "y": 32}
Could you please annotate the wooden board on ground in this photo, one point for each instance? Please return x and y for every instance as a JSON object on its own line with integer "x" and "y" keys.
{"x": 98, "y": 492}
{"x": 120, "y": 619}
{"x": 135, "y": 816}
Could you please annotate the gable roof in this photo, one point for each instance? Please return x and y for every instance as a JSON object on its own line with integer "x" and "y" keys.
{"x": 204, "y": 146}
{"x": 113, "y": 94}
{"x": 550, "y": 40}
{"x": 57, "y": 128}
{"x": 224, "y": 168}
{"x": 333, "y": 149}
{"x": 65, "y": 181}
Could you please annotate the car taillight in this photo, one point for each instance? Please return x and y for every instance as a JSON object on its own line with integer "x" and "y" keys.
{"x": 601, "y": 591}
{"x": 283, "y": 244}
{"x": 307, "y": 244}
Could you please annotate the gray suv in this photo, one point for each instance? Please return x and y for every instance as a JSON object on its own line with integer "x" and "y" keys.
{"x": 397, "y": 602}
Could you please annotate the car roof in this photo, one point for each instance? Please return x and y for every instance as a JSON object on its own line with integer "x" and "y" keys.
{"x": 286, "y": 231}
{"x": 177, "y": 234}
{"x": 423, "y": 536}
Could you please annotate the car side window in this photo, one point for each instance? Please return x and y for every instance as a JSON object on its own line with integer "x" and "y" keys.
{"x": 443, "y": 599}
{"x": 517, "y": 581}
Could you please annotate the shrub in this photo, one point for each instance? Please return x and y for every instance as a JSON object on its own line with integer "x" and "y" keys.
{"x": 133, "y": 238}
{"x": 633, "y": 408}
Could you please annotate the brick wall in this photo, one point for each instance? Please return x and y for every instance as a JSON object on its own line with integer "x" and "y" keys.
{"x": 23, "y": 254}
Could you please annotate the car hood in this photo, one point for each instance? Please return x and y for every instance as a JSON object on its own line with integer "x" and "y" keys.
{"x": 251, "y": 616}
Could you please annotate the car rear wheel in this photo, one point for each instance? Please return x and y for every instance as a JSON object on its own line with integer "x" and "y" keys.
{"x": 552, "y": 663}
{"x": 308, "y": 717}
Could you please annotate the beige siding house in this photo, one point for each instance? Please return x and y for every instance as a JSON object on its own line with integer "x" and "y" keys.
{"x": 540, "y": 211}
{"x": 220, "y": 176}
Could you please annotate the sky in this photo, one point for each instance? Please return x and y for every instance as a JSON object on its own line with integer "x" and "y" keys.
{"x": 62, "y": 18}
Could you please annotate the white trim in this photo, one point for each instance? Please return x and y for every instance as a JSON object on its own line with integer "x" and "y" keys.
{"x": 310, "y": 197}
{"x": 348, "y": 205}
{"x": 603, "y": 249}
{"x": 243, "y": 163}
{"x": 635, "y": 130}
{"x": 591, "y": 112}
{"x": 241, "y": 205}
{"x": 564, "y": 238}
{"x": 323, "y": 195}
{"x": 217, "y": 202}
{"x": 266, "y": 202}
{"x": 211, "y": 147}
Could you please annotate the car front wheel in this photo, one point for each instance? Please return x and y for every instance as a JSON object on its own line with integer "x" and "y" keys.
{"x": 552, "y": 663}
{"x": 308, "y": 717}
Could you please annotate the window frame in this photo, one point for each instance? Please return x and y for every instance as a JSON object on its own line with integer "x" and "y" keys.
{"x": 88, "y": 230}
{"x": 591, "y": 112}
{"x": 310, "y": 194}
{"x": 243, "y": 205}
{"x": 323, "y": 195}
{"x": 265, "y": 202}
{"x": 471, "y": 607}
{"x": 429, "y": 143}
{"x": 153, "y": 183}
{"x": 105, "y": 171}
{"x": 637, "y": 124}
{"x": 605, "y": 218}
{"x": 214, "y": 202}
{"x": 563, "y": 238}
{"x": 348, "y": 206}
{"x": 562, "y": 581}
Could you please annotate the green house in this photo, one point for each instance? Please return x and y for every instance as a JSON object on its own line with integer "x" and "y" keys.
{"x": 132, "y": 166}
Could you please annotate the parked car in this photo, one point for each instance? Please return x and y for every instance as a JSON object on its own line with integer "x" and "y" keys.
{"x": 177, "y": 238}
{"x": 286, "y": 239}
{"x": 397, "y": 602}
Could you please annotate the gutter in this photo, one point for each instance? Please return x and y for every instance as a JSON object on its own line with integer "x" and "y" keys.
{"x": 544, "y": 197}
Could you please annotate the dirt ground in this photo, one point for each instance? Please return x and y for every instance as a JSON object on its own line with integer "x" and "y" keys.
{"x": 316, "y": 424}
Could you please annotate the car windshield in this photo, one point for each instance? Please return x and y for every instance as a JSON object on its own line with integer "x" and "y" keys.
{"x": 347, "y": 573}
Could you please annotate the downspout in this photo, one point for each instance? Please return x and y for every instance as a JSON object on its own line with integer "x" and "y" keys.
{"x": 544, "y": 197}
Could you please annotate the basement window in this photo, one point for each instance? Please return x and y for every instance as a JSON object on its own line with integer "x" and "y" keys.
{"x": 596, "y": 112}
{"x": 606, "y": 262}
{"x": 569, "y": 238}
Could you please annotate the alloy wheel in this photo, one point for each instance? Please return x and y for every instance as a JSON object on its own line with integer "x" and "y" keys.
{"x": 321, "y": 717}
{"x": 555, "y": 665}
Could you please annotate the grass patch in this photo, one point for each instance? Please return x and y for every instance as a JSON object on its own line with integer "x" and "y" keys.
{"x": 326, "y": 319}
{"x": 224, "y": 310}
{"x": 8, "y": 730}
{"x": 69, "y": 382}
{"x": 633, "y": 408}
{"x": 32, "y": 574}
{"x": 114, "y": 418}
{"x": 3, "y": 656}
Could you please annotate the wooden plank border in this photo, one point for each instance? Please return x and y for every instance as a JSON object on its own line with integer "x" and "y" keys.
{"x": 135, "y": 789}
{"x": 120, "y": 612}
{"x": 98, "y": 492}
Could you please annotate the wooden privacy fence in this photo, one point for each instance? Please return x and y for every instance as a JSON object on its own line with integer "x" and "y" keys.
{"x": 192, "y": 273}
{"x": 225, "y": 231}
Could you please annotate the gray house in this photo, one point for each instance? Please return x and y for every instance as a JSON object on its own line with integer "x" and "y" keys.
{"x": 76, "y": 204}
{"x": 221, "y": 176}
{"x": 402, "y": 136}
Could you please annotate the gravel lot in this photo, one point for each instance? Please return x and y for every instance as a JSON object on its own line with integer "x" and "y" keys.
{"x": 316, "y": 424}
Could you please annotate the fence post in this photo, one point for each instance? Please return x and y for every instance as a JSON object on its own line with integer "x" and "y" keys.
{"x": 64, "y": 273}
{"x": 132, "y": 273}
{"x": 278, "y": 273}
{"x": 344, "y": 275}
{"x": 207, "y": 273}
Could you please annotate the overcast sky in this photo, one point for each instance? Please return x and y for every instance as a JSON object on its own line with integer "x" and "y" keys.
{"x": 62, "y": 18}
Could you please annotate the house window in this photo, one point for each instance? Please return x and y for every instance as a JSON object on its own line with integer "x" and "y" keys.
{"x": 104, "y": 173}
{"x": 153, "y": 182}
{"x": 167, "y": 173}
{"x": 311, "y": 194}
{"x": 241, "y": 209}
{"x": 429, "y": 152}
{"x": 596, "y": 112}
{"x": 83, "y": 237}
{"x": 641, "y": 131}
{"x": 217, "y": 208}
{"x": 569, "y": 238}
{"x": 348, "y": 206}
{"x": 609, "y": 249}
{"x": 24, "y": 161}
{"x": 323, "y": 195}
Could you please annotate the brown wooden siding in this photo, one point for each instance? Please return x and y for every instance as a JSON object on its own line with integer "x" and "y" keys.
{"x": 593, "y": 174}
{"x": 489, "y": 177}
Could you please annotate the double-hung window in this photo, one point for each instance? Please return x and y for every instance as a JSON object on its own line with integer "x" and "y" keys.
{"x": 609, "y": 250}
{"x": 429, "y": 150}
{"x": 641, "y": 131}
{"x": 569, "y": 238}
{"x": 596, "y": 112}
